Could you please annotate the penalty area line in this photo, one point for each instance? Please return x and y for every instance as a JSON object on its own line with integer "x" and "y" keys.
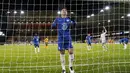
{"x": 75, "y": 65}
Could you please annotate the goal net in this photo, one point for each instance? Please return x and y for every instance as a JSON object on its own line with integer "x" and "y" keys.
{"x": 100, "y": 37}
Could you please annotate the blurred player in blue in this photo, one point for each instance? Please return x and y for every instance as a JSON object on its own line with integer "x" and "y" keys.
{"x": 36, "y": 42}
{"x": 89, "y": 41}
{"x": 63, "y": 25}
{"x": 124, "y": 41}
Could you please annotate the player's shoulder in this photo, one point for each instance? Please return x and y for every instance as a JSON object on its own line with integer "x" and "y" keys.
{"x": 126, "y": 38}
{"x": 58, "y": 18}
{"x": 68, "y": 18}
{"x": 34, "y": 36}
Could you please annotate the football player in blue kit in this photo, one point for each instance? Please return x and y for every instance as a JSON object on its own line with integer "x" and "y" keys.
{"x": 124, "y": 41}
{"x": 36, "y": 42}
{"x": 89, "y": 41}
{"x": 63, "y": 24}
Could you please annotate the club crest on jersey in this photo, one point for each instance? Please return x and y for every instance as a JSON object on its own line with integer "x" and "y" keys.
{"x": 64, "y": 26}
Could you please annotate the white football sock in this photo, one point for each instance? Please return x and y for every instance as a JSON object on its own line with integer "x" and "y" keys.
{"x": 71, "y": 59}
{"x": 62, "y": 58}
{"x": 125, "y": 46}
{"x": 38, "y": 49}
{"x": 88, "y": 47}
{"x": 35, "y": 50}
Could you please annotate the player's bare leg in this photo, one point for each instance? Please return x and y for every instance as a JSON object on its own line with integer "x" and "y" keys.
{"x": 71, "y": 59}
{"x": 35, "y": 50}
{"x": 38, "y": 49}
{"x": 46, "y": 45}
{"x": 89, "y": 47}
{"x": 125, "y": 46}
{"x": 104, "y": 47}
{"x": 62, "y": 58}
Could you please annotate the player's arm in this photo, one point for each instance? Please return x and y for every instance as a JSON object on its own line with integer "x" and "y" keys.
{"x": 33, "y": 40}
{"x": 54, "y": 23}
{"x": 91, "y": 37}
{"x": 72, "y": 21}
{"x": 86, "y": 39}
{"x": 39, "y": 40}
{"x": 105, "y": 29}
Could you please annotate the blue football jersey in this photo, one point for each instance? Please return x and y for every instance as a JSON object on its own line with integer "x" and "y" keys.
{"x": 124, "y": 40}
{"x": 89, "y": 38}
{"x": 63, "y": 28}
{"x": 36, "y": 40}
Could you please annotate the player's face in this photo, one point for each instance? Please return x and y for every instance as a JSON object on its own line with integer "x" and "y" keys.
{"x": 35, "y": 34}
{"x": 88, "y": 34}
{"x": 64, "y": 12}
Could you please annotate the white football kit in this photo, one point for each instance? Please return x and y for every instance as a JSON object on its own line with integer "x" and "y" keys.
{"x": 103, "y": 38}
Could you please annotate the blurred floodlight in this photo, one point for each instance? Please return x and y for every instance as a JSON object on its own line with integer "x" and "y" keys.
{"x": 122, "y": 17}
{"x": 58, "y": 12}
{"x": 22, "y": 12}
{"x": 92, "y": 14}
{"x": 128, "y": 15}
{"x": 15, "y": 12}
{"x": 109, "y": 20}
{"x": 2, "y": 34}
{"x": 107, "y": 7}
{"x": 102, "y": 10}
{"x": 88, "y": 16}
{"x": 8, "y": 12}
{"x": 72, "y": 13}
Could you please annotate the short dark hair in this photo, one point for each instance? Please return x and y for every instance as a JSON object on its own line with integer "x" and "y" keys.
{"x": 63, "y": 8}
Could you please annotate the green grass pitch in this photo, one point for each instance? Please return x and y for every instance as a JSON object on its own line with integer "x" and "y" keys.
{"x": 22, "y": 59}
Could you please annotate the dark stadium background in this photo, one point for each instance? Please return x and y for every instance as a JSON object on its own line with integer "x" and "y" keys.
{"x": 40, "y": 14}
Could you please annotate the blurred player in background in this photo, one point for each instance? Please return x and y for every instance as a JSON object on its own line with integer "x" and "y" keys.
{"x": 103, "y": 38}
{"x": 89, "y": 41}
{"x": 124, "y": 41}
{"x": 46, "y": 42}
{"x": 63, "y": 25}
{"x": 36, "y": 42}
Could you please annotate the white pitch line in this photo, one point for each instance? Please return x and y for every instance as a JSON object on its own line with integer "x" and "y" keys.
{"x": 66, "y": 65}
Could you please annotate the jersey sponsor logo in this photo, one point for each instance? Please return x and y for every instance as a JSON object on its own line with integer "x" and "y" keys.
{"x": 64, "y": 26}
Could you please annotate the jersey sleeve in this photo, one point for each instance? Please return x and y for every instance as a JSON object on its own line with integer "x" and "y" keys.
{"x": 72, "y": 21}
{"x": 54, "y": 23}
{"x": 105, "y": 31}
{"x": 91, "y": 37}
{"x": 33, "y": 40}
